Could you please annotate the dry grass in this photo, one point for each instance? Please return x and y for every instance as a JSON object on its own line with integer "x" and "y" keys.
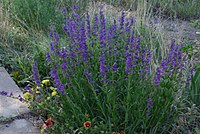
{"x": 5, "y": 26}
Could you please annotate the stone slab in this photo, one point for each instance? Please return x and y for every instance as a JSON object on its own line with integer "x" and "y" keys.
{"x": 7, "y": 83}
{"x": 10, "y": 107}
{"x": 19, "y": 127}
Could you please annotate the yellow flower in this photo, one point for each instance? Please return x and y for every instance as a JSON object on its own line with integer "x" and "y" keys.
{"x": 41, "y": 104}
{"x": 37, "y": 88}
{"x": 48, "y": 98}
{"x": 53, "y": 88}
{"x": 54, "y": 93}
{"x": 27, "y": 96}
{"x": 37, "y": 92}
{"x": 45, "y": 82}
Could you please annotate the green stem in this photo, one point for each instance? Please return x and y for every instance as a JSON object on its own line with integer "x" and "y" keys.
{"x": 128, "y": 98}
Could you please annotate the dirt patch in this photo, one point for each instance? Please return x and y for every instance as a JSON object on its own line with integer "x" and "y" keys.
{"x": 183, "y": 31}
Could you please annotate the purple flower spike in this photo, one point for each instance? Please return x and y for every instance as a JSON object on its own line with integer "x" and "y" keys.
{"x": 157, "y": 78}
{"x": 51, "y": 32}
{"x": 129, "y": 62}
{"x": 83, "y": 45}
{"x": 27, "y": 88}
{"x": 133, "y": 20}
{"x": 102, "y": 29}
{"x": 89, "y": 75}
{"x": 180, "y": 53}
{"x": 103, "y": 68}
{"x": 115, "y": 69}
{"x": 88, "y": 25}
{"x": 36, "y": 74}
{"x": 48, "y": 57}
{"x": 75, "y": 7}
{"x": 111, "y": 38}
{"x": 64, "y": 10}
{"x": 149, "y": 105}
{"x": 57, "y": 83}
{"x": 122, "y": 20}
{"x": 57, "y": 42}
{"x": 52, "y": 47}
{"x": 96, "y": 25}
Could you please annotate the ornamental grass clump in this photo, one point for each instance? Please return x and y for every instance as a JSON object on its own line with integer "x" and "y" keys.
{"x": 105, "y": 75}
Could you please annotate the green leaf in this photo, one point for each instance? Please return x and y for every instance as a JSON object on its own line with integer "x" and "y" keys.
{"x": 197, "y": 130}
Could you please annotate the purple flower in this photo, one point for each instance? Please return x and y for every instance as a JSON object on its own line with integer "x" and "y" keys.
{"x": 20, "y": 98}
{"x": 189, "y": 77}
{"x": 75, "y": 7}
{"x": 27, "y": 88}
{"x": 129, "y": 64}
{"x": 83, "y": 45}
{"x": 102, "y": 29}
{"x": 76, "y": 16}
{"x": 89, "y": 75}
{"x": 174, "y": 59}
{"x": 64, "y": 66}
{"x": 128, "y": 28}
{"x": 170, "y": 56}
{"x": 103, "y": 68}
{"x": 164, "y": 66}
{"x": 137, "y": 50}
{"x": 52, "y": 47}
{"x": 157, "y": 78}
{"x": 133, "y": 20}
{"x": 48, "y": 57}
{"x": 51, "y": 32}
{"x": 64, "y": 10}
{"x": 11, "y": 94}
{"x": 180, "y": 53}
{"x": 156, "y": 20}
{"x": 151, "y": 23}
{"x": 63, "y": 53}
{"x": 133, "y": 39}
{"x": 95, "y": 25}
{"x": 88, "y": 25}
{"x": 96, "y": 90}
{"x": 146, "y": 59}
{"x": 122, "y": 19}
{"x": 57, "y": 83}
{"x": 36, "y": 74}
{"x": 3, "y": 93}
{"x": 57, "y": 42}
{"x": 114, "y": 67}
{"x": 149, "y": 105}
{"x": 111, "y": 38}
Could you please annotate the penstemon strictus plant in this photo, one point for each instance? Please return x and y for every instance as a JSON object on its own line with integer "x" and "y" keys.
{"x": 104, "y": 75}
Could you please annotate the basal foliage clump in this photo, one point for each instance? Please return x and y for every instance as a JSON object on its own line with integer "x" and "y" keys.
{"x": 104, "y": 79}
